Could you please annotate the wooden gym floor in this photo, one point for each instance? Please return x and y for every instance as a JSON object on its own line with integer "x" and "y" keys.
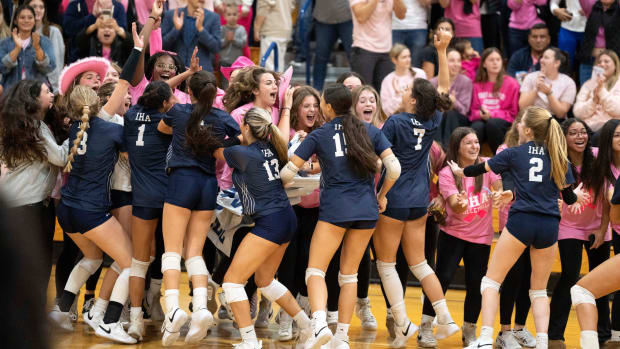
{"x": 225, "y": 334}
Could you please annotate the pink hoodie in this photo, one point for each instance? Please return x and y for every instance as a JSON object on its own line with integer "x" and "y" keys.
{"x": 524, "y": 14}
{"x": 503, "y": 105}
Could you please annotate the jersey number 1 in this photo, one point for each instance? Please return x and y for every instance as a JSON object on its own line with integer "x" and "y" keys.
{"x": 140, "y": 141}
{"x": 339, "y": 146}
{"x": 537, "y": 166}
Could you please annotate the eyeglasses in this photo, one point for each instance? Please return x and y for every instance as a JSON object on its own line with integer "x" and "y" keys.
{"x": 163, "y": 66}
{"x": 580, "y": 133}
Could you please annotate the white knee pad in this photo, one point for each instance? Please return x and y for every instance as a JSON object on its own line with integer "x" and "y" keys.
{"x": 90, "y": 265}
{"x": 170, "y": 261}
{"x": 537, "y": 294}
{"x": 196, "y": 266}
{"x": 116, "y": 268}
{"x": 422, "y": 270}
{"x": 488, "y": 283}
{"x": 139, "y": 268}
{"x": 314, "y": 272}
{"x": 274, "y": 291}
{"x": 385, "y": 268}
{"x": 234, "y": 292}
{"x": 346, "y": 279}
{"x": 581, "y": 295}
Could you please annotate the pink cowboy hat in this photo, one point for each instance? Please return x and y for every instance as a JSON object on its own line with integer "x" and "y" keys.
{"x": 240, "y": 62}
{"x": 99, "y": 65}
{"x": 285, "y": 81}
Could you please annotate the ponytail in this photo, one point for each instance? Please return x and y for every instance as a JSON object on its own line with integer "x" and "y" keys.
{"x": 84, "y": 125}
{"x": 263, "y": 129}
{"x": 199, "y": 138}
{"x": 428, "y": 100}
{"x": 556, "y": 146}
{"x": 83, "y": 100}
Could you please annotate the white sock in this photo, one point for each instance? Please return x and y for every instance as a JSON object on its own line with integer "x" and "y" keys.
{"x": 342, "y": 331}
{"x": 486, "y": 331}
{"x": 171, "y": 298}
{"x": 100, "y": 306}
{"x": 199, "y": 298}
{"x": 135, "y": 311}
{"x": 615, "y": 336}
{"x": 393, "y": 291}
{"x": 301, "y": 319}
{"x": 400, "y": 314}
{"x": 427, "y": 319}
{"x": 542, "y": 341}
{"x": 248, "y": 334}
{"x": 442, "y": 312}
{"x": 589, "y": 340}
{"x": 120, "y": 292}
{"x": 319, "y": 317}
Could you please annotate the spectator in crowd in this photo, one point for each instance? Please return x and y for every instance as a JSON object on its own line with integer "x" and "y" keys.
{"x": 332, "y": 21}
{"x": 598, "y": 99}
{"x": 523, "y": 17}
{"x": 274, "y": 23}
{"x": 427, "y": 59}
{"x": 526, "y": 59}
{"x": 490, "y": 22}
{"x": 192, "y": 26}
{"x": 461, "y": 88}
{"x": 5, "y": 32}
{"x": 548, "y": 88}
{"x": 367, "y": 105}
{"x": 244, "y": 19}
{"x": 470, "y": 57}
{"x": 495, "y": 100}
{"x": 52, "y": 32}
{"x": 82, "y": 13}
{"x": 372, "y": 37}
{"x": 234, "y": 37}
{"x": 602, "y": 29}
{"x": 25, "y": 55}
{"x": 351, "y": 80}
{"x": 400, "y": 80}
{"x": 466, "y": 17}
{"x": 412, "y": 31}
{"x": 207, "y": 4}
{"x": 105, "y": 38}
{"x": 572, "y": 27}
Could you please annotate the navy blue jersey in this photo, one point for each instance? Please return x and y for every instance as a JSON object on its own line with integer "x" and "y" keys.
{"x": 147, "y": 150}
{"x": 88, "y": 186}
{"x": 530, "y": 167}
{"x": 345, "y": 196}
{"x": 180, "y": 155}
{"x": 615, "y": 199}
{"x": 256, "y": 175}
{"x": 411, "y": 142}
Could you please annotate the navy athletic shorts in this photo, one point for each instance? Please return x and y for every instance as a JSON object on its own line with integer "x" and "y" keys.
{"x": 534, "y": 229}
{"x": 147, "y": 213}
{"x": 278, "y": 227}
{"x": 356, "y": 224}
{"x": 120, "y": 198}
{"x": 73, "y": 220}
{"x": 405, "y": 214}
{"x": 192, "y": 188}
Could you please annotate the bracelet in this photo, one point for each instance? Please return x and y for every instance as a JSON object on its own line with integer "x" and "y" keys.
{"x": 137, "y": 48}
{"x": 286, "y": 108}
{"x": 154, "y": 18}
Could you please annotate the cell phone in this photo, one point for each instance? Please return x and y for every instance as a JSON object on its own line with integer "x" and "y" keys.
{"x": 596, "y": 70}
{"x": 106, "y": 13}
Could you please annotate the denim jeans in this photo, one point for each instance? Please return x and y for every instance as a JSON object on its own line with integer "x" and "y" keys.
{"x": 476, "y": 43}
{"x": 327, "y": 34}
{"x": 517, "y": 39}
{"x": 301, "y": 43}
{"x": 585, "y": 71}
{"x": 568, "y": 41}
{"x": 414, "y": 39}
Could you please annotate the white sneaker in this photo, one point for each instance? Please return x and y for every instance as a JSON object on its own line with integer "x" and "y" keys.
{"x": 426, "y": 339}
{"x": 172, "y": 326}
{"x": 93, "y": 319}
{"x": 482, "y": 343}
{"x": 319, "y": 337}
{"x": 285, "y": 330}
{"x": 248, "y": 345}
{"x": 337, "y": 343}
{"x": 402, "y": 334}
{"x": 265, "y": 311}
{"x": 114, "y": 332}
{"x": 332, "y": 320}
{"x": 136, "y": 326}
{"x": 506, "y": 340}
{"x": 362, "y": 310}
{"x": 444, "y": 331}
{"x": 202, "y": 320}
{"x": 253, "y": 305}
{"x": 211, "y": 292}
{"x": 524, "y": 338}
{"x": 468, "y": 333}
{"x": 60, "y": 319}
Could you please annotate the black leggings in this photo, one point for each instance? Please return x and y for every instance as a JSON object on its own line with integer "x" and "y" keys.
{"x": 402, "y": 267}
{"x": 570, "y": 256}
{"x": 515, "y": 291}
{"x": 292, "y": 270}
{"x": 615, "y": 306}
{"x": 450, "y": 251}
{"x": 221, "y": 268}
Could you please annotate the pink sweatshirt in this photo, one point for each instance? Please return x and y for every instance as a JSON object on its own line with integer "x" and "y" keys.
{"x": 524, "y": 14}
{"x": 476, "y": 223}
{"x": 503, "y": 105}
{"x": 466, "y": 26}
{"x": 597, "y": 114}
{"x": 470, "y": 67}
{"x": 392, "y": 88}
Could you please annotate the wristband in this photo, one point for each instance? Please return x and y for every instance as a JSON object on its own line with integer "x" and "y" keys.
{"x": 154, "y": 18}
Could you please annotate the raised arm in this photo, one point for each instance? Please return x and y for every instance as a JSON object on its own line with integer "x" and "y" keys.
{"x": 152, "y": 23}
{"x": 442, "y": 40}
{"x": 194, "y": 67}
{"x": 363, "y": 11}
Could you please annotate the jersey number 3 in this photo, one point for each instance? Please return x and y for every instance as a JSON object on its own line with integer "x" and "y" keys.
{"x": 537, "y": 166}
{"x": 81, "y": 150}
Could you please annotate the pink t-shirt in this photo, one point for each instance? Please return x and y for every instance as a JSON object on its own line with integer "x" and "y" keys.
{"x": 524, "y": 15}
{"x": 466, "y": 26}
{"x": 503, "y": 104}
{"x": 138, "y": 90}
{"x": 476, "y": 223}
{"x": 375, "y": 34}
{"x": 599, "y": 42}
{"x": 105, "y": 52}
{"x": 392, "y": 89}
{"x": 503, "y": 213}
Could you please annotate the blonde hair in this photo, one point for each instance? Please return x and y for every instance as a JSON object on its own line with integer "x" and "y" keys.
{"x": 379, "y": 117}
{"x": 83, "y": 101}
{"x": 611, "y": 81}
{"x": 512, "y": 136}
{"x": 548, "y": 131}
{"x": 396, "y": 50}
{"x": 263, "y": 128}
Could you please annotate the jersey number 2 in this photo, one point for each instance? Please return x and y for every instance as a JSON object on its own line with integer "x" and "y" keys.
{"x": 419, "y": 132}
{"x": 275, "y": 174}
{"x": 537, "y": 166}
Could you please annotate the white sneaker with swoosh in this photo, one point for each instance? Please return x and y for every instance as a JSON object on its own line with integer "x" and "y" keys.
{"x": 402, "y": 334}
{"x": 482, "y": 343}
{"x": 320, "y": 335}
{"x": 171, "y": 327}
{"x": 115, "y": 332}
